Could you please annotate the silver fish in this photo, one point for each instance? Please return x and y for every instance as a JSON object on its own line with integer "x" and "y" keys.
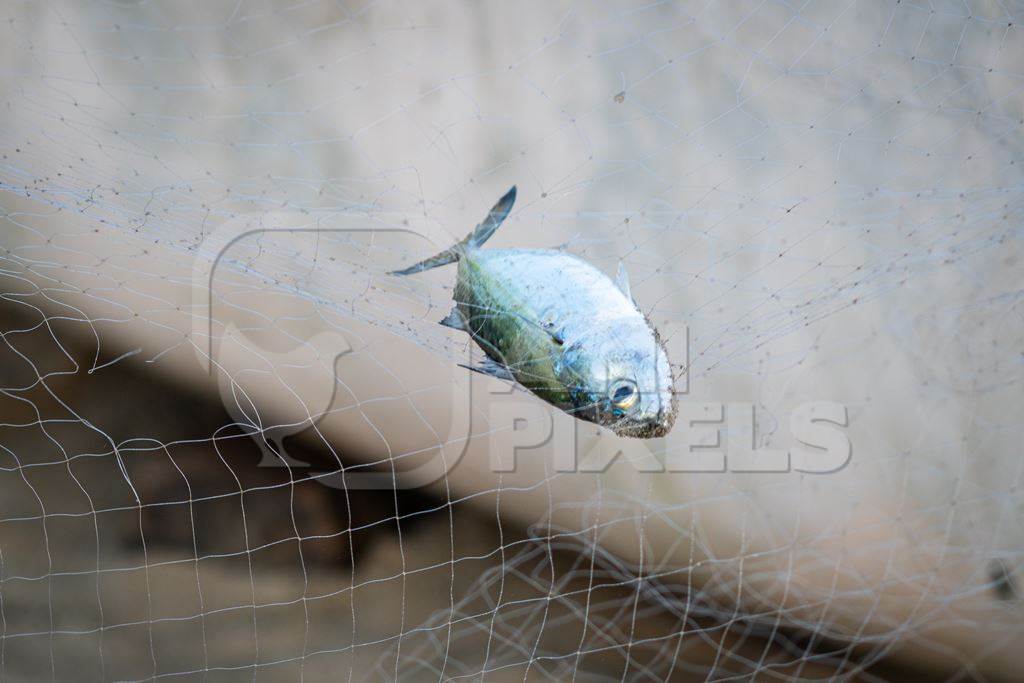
{"x": 560, "y": 328}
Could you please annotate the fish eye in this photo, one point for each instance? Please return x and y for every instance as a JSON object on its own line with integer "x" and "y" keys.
{"x": 624, "y": 394}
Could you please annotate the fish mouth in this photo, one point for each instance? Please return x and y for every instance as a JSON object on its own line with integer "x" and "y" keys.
{"x": 652, "y": 429}
{"x": 646, "y": 431}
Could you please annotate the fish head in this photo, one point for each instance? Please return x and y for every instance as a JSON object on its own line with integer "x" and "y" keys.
{"x": 630, "y": 381}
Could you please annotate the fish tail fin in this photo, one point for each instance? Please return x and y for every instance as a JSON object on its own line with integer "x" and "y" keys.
{"x": 481, "y": 233}
{"x": 450, "y": 255}
{"x": 495, "y": 217}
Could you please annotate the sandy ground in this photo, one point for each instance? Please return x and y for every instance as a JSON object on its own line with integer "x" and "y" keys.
{"x": 226, "y": 570}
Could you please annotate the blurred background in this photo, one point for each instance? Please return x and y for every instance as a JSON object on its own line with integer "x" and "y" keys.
{"x": 233, "y": 447}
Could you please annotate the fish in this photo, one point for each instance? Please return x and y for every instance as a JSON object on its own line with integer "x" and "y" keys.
{"x": 561, "y": 328}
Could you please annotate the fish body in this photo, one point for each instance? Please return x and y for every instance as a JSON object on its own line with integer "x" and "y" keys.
{"x": 562, "y": 329}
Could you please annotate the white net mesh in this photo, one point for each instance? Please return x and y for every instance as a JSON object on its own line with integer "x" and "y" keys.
{"x": 232, "y": 446}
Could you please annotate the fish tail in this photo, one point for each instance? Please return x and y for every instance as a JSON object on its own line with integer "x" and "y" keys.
{"x": 481, "y": 233}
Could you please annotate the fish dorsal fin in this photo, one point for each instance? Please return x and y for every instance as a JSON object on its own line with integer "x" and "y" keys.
{"x": 622, "y": 281}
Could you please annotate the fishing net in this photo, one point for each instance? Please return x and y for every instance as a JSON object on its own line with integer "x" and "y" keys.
{"x": 233, "y": 446}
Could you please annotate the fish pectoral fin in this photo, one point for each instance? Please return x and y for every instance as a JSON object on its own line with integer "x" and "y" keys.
{"x": 549, "y": 327}
{"x": 454, "y": 320}
{"x": 622, "y": 280}
{"x": 491, "y": 368}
